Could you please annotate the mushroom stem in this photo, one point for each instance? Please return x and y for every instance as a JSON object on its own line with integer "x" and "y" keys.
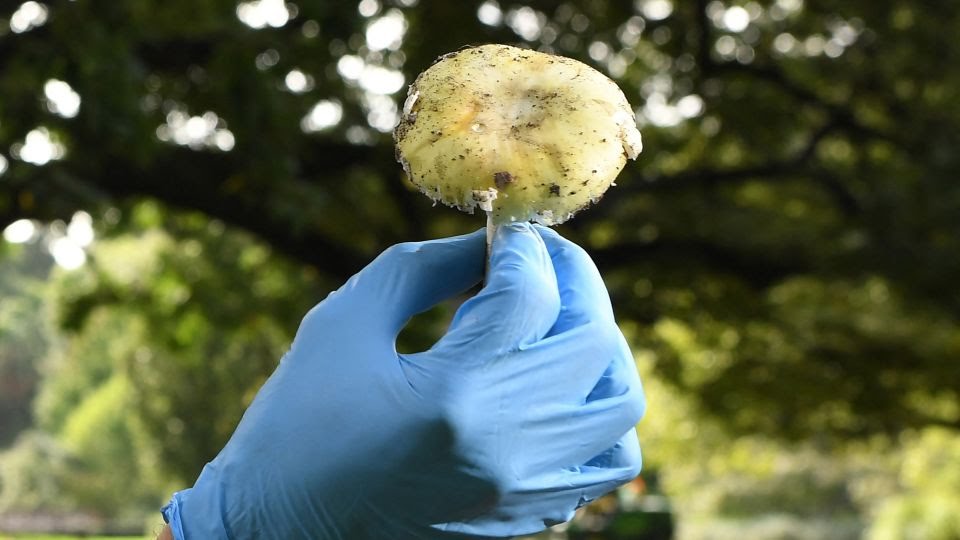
{"x": 491, "y": 230}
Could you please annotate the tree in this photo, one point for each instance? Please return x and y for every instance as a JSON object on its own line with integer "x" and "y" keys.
{"x": 784, "y": 251}
{"x": 818, "y": 153}
{"x": 24, "y": 337}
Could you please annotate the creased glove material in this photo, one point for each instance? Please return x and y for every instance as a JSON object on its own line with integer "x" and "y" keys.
{"x": 522, "y": 412}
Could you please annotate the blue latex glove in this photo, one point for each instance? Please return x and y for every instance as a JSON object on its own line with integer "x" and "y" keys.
{"x": 522, "y": 412}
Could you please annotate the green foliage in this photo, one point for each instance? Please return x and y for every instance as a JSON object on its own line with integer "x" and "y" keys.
{"x": 930, "y": 491}
{"x": 880, "y": 355}
{"x": 110, "y": 448}
{"x": 32, "y": 475}
{"x": 188, "y": 317}
{"x": 99, "y": 463}
{"x": 24, "y": 335}
{"x": 784, "y": 260}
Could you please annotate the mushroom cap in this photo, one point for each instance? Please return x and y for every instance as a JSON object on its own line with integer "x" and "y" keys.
{"x": 525, "y": 135}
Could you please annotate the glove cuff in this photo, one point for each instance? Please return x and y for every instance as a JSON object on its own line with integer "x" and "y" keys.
{"x": 195, "y": 513}
{"x": 171, "y": 515}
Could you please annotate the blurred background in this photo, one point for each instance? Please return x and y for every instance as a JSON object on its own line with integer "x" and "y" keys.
{"x": 181, "y": 180}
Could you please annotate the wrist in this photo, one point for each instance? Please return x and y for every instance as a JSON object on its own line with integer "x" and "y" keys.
{"x": 186, "y": 504}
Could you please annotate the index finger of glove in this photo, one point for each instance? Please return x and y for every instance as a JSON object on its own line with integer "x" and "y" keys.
{"x": 404, "y": 280}
{"x": 520, "y": 301}
{"x": 583, "y": 295}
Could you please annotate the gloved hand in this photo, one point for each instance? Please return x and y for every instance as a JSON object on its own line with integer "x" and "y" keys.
{"x": 521, "y": 413}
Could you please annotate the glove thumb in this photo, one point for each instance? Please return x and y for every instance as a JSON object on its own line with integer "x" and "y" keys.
{"x": 409, "y": 278}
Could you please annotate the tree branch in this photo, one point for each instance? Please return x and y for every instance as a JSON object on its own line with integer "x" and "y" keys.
{"x": 704, "y": 60}
{"x": 759, "y": 273}
{"x": 794, "y": 166}
{"x": 164, "y": 179}
{"x": 840, "y": 114}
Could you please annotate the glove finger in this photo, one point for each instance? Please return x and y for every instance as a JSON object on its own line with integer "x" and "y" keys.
{"x": 409, "y": 278}
{"x": 624, "y": 454}
{"x": 552, "y": 497}
{"x": 578, "y": 485}
{"x": 567, "y": 367}
{"x": 620, "y": 377}
{"x": 564, "y": 434}
{"x": 615, "y": 467}
{"x": 607, "y": 418}
{"x": 584, "y": 299}
{"x": 583, "y": 294}
{"x": 519, "y": 303}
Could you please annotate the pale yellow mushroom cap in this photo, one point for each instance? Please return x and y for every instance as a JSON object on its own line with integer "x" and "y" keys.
{"x": 523, "y": 134}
